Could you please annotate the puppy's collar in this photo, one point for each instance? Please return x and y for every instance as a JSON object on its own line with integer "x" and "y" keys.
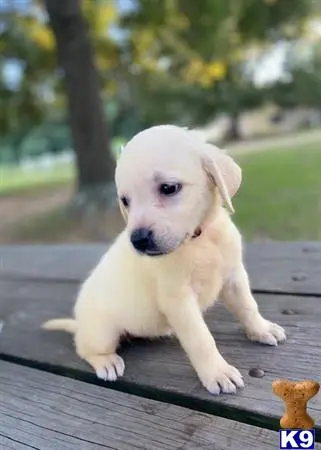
{"x": 198, "y": 230}
{"x": 197, "y": 233}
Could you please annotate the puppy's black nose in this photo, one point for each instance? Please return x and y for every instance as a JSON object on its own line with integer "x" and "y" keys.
{"x": 142, "y": 239}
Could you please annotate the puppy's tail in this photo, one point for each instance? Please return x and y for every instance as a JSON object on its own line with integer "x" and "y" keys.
{"x": 68, "y": 325}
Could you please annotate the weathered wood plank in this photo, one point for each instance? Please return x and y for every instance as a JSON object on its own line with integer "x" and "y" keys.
{"x": 44, "y": 411}
{"x": 65, "y": 262}
{"x": 288, "y": 267}
{"x": 160, "y": 368}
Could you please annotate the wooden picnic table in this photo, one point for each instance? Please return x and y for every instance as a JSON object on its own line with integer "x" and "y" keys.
{"x": 50, "y": 399}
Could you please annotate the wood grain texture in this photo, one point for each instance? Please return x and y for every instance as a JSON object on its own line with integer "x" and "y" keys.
{"x": 64, "y": 262}
{"x": 289, "y": 267}
{"x": 273, "y": 267}
{"x": 44, "y": 411}
{"x": 160, "y": 369}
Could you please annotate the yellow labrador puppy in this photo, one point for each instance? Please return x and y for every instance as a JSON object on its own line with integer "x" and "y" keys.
{"x": 179, "y": 252}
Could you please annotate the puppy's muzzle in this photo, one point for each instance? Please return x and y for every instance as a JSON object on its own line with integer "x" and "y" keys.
{"x": 143, "y": 241}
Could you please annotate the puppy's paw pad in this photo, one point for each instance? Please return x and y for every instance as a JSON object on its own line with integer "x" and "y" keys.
{"x": 267, "y": 333}
{"x": 108, "y": 367}
{"x": 223, "y": 379}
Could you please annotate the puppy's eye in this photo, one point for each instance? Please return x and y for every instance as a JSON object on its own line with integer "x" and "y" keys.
{"x": 125, "y": 201}
{"x": 170, "y": 188}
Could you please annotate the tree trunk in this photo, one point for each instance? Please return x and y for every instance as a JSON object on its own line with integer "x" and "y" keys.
{"x": 95, "y": 165}
{"x": 234, "y": 133}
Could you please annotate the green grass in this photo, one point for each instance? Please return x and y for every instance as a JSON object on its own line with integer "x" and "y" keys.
{"x": 53, "y": 226}
{"x": 280, "y": 196}
{"x": 13, "y": 180}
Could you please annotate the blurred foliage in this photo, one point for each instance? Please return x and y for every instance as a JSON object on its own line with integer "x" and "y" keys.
{"x": 28, "y": 46}
{"x": 181, "y": 61}
{"x": 199, "y": 50}
{"x": 303, "y": 86}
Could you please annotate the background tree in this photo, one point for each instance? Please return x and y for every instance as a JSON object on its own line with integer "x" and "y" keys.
{"x": 88, "y": 126}
{"x": 302, "y": 84}
{"x": 22, "y": 100}
{"x": 78, "y": 31}
{"x": 205, "y": 46}
{"x": 171, "y": 61}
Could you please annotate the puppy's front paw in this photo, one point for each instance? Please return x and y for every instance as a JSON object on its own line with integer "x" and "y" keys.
{"x": 266, "y": 332}
{"x": 222, "y": 378}
{"x": 107, "y": 367}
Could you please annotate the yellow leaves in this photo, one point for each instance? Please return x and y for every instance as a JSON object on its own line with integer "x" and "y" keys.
{"x": 144, "y": 40}
{"x": 111, "y": 88}
{"x": 205, "y": 81}
{"x": 179, "y": 22}
{"x": 103, "y": 62}
{"x": 204, "y": 74}
{"x": 145, "y": 43}
{"x": 237, "y": 54}
{"x": 101, "y": 15}
{"x": 106, "y": 16}
{"x": 195, "y": 69}
{"x": 217, "y": 70}
{"x": 148, "y": 64}
{"x": 42, "y": 36}
{"x": 35, "y": 28}
{"x": 174, "y": 17}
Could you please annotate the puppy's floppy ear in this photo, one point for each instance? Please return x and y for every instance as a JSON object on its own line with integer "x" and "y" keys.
{"x": 223, "y": 172}
{"x": 123, "y": 211}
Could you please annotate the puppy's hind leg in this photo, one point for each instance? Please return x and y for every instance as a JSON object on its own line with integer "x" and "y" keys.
{"x": 96, "y": 342}
{"x": 238, "y": 298}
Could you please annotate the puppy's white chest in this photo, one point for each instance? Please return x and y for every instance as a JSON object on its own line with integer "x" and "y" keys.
{"x": 207, "y": 277}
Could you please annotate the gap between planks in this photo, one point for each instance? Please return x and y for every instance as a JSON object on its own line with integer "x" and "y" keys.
{"x": 157, "y": 394}
{"x": 41, "y": 410}
{"x": 153, "y": 371}
{"x": 74, "y": 281}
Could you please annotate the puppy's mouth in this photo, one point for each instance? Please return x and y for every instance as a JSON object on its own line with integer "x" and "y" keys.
{"x": 158, "y": 252}
{"x": 154, "y": 253}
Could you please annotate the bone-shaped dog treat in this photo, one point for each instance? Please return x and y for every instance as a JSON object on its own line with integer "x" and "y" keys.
{"x": 296, "y": 396}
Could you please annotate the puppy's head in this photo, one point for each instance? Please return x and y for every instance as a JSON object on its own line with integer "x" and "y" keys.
{"x": 168, "y": 181}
